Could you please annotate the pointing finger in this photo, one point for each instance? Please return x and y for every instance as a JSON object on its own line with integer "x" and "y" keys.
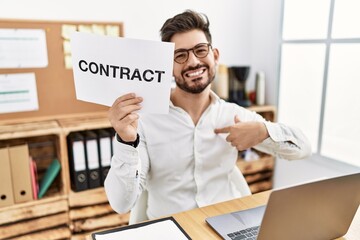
{"x": 237, "y": 119}
{"x": 222, "y": 130}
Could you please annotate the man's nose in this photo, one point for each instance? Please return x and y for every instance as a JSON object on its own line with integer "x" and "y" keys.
{"x": 192, "y": 58}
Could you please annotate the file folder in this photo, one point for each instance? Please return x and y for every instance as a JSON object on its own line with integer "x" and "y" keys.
{"x": 51, "y": 172}
{"x": 6, "y": 190}
{"x": 20, "y": 172}
{"x": 92, "y": 159}
{"x": 78, "y": 172}
{"x": 34, "y": 178}
{"x": 105, "y": 152}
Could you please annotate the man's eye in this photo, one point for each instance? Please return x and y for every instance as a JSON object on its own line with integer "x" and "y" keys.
{"x": 201, "y": 51}
{"x": 180, "y": 55}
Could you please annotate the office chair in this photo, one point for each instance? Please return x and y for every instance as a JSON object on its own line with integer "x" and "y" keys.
{"x": 138, "y": 212}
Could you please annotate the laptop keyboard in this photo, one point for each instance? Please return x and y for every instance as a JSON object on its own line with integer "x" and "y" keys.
{"x": 248, "y": 233}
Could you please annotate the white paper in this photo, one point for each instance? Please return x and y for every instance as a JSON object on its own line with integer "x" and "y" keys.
{"x": 18, "y": 93}
{"x": 148, "y": 65}
{"x": 23, "y": 48}
{"x": 155, "y": 231}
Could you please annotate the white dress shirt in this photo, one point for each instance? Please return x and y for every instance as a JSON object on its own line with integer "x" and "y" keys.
{"x": 183, "y": 166}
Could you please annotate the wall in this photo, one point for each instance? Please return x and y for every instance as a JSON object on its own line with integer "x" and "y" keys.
{"x": 236, "y": 25}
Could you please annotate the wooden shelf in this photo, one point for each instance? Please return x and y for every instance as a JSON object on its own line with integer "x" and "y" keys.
{"x": 33, "y": 216}
{"x": 62, "y": 213}
{"x": 29, "y": 129}
{"x": 86, "y": 122}
{"x": 87, "y": 197}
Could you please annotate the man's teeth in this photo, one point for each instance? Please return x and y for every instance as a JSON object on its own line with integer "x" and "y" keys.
{"x": 195, "y": 73}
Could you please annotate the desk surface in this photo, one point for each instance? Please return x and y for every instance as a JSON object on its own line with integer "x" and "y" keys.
{"x": 194, "y": 224}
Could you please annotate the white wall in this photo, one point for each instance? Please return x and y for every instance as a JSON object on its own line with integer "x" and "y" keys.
{"x": 229, "y": 19}
{"x": 265, "y": 45}
{"x": 236, "y": 25}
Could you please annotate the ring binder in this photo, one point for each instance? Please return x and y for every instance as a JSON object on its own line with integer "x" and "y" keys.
{"x": 105, "y": 152}
{"x": 78, "y": 171}
{"x": 92, "y": 159}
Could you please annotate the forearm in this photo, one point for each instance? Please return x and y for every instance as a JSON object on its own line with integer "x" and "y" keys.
{"x": 122, "y": 182}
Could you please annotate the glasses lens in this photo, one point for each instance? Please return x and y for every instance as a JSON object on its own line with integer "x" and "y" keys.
{"x": 181, "y": 56}
{"x": 201, "y": 50}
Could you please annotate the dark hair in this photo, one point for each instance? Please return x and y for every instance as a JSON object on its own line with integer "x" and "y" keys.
{"x": 184, "y": 22}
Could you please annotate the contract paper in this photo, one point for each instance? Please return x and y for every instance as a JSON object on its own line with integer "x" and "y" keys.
{"x": 107, "y": 67}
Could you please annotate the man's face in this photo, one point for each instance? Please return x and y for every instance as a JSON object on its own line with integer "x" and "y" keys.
{"x": 194, "y": 75}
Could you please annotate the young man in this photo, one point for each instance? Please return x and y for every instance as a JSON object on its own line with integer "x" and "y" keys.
{"x": 184, "y": 159}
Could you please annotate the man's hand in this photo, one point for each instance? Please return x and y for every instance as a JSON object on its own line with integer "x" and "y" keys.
{"x": 123, "y": 118}
{"x": 244, "y": 135}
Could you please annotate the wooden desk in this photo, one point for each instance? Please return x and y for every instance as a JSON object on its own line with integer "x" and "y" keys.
{"x": 194, "y": 224}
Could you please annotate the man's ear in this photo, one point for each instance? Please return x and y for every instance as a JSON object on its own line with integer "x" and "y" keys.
{"x": 216, "y": 55}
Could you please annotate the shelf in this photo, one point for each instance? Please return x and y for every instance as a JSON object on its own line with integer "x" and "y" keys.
{"x": 87, "y": 197}
{"x": 33, "y": 216}
{"x": 30, "y": 129}
{"x": 62, "y": 213}
{"x": 90, "y": 211}
{"x": 87, "y": 122}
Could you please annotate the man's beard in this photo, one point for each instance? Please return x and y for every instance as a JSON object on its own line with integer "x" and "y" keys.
{"x": 197, "y": 88}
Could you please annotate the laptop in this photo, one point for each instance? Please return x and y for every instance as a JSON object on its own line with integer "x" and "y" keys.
{"x": 317, "y": 210}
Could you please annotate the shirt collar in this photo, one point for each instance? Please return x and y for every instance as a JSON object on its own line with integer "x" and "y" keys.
{"x": 213, "y": 98}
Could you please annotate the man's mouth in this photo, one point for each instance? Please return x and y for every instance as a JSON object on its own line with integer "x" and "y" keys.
{"x": 196, "y": 73}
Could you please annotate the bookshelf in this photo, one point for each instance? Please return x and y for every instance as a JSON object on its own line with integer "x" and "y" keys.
{"x": 61, "y": 213}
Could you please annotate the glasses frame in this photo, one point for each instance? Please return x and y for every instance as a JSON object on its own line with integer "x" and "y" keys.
{"x": 193, "y": 50}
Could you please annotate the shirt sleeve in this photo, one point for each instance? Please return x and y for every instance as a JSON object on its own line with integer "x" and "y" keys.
{"x": 126, "y": 178}
{"x": 285, "y": 142}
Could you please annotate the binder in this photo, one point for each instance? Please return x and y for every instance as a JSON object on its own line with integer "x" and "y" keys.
{"x": 20, "y": 172}
{"x": 34, "y": 178}
{"x": 105, "y": 152}
{"x": 92, "y": 159}
{"x": 77, "y": 162}
{"x": 51, "y": 172}
{"x": 113, "y": 140}
{"x": 6, "y": 190}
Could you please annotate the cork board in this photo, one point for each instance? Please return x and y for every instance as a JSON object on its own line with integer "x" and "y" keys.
{"x": 54, "y": 83}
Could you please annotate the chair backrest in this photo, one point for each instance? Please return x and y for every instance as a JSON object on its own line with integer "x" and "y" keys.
{"x": 138, "y": 212}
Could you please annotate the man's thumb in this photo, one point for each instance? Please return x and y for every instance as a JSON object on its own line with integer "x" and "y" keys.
{"x": 236, "y": 119}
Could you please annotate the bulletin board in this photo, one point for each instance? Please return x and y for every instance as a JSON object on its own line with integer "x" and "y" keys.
{"x": 55, "y": 82}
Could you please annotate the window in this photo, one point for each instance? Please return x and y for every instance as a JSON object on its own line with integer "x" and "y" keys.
{"x": 320, "y": 75}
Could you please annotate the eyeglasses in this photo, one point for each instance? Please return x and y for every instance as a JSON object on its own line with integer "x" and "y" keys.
{"x": 201, "y": 50}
